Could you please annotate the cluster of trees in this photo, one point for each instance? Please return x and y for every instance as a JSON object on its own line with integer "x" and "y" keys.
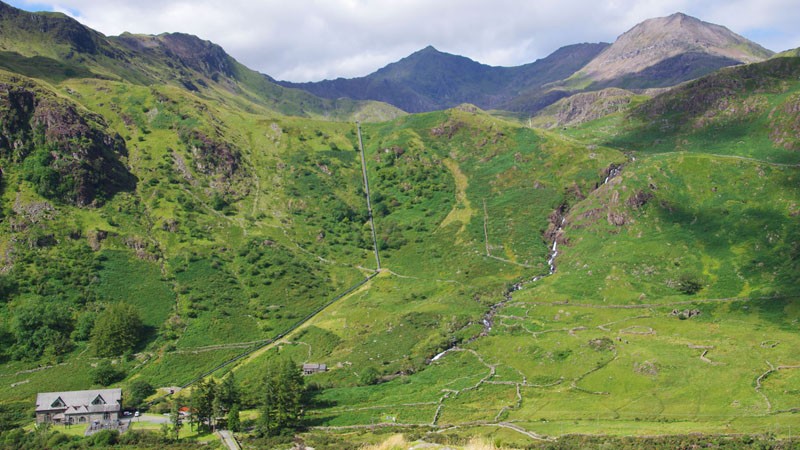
{"x": 137, "y": 392}
{"x": 45, "y": 328}
{"x": 282, "y": 398}
{"x": 216, "y": 404}
{"x": 211, "y": 403}
{"x": 51, "y": 437}
{"x": 50, "y": 301}
{"x": 41, "y": 327}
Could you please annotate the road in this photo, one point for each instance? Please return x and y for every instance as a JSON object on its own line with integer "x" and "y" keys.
{"x": 227, "y": 438}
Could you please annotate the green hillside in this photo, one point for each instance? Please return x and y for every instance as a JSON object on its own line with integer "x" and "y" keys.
{"x": 630, "y": 275}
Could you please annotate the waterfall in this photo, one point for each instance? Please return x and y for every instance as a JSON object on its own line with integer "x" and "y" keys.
{"x": 552, "y": 260}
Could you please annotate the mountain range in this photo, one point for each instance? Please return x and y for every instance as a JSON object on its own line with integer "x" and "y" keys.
{"x": 656, "y": 53}
{"x": 619, "y": 270}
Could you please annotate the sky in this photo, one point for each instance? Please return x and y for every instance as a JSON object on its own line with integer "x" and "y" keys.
{"x": 311, "y": 40}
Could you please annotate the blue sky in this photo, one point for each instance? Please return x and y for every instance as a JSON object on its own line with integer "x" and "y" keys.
{"x": 308, "y": 40}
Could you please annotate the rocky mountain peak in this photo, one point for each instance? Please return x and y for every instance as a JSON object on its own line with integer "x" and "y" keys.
{"x": 656, "y": 40}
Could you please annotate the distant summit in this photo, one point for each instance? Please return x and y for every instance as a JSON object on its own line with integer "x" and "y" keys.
{"x": 669, "y": 50}
{"x": 429, "y": 80}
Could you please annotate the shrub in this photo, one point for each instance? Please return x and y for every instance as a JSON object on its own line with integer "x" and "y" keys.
{"x": 105, "y": 438}
{"x": 690, "y": 283}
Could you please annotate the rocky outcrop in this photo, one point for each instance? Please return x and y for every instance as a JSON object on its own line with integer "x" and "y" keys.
{"x": 726, "y": 99}
{"x": 583, "y": 107}
{"x": 785, "y": 124}
{"x": 211, "y": 156}
{"x": 67, "y": 153}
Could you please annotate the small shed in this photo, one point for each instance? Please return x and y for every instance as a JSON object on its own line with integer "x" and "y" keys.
{"x": 309, "y": 369}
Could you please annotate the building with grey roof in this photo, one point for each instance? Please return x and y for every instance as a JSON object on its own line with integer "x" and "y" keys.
{"x": 309, "y": 369}
{"x": 79, "y": 407}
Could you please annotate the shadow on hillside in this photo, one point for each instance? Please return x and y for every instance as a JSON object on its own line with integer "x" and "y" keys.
{"x": 149, "y": 334}
{"x": 771, "y": 242}
{"x": 42, "y": 67}
{"x": 670, "y": 72}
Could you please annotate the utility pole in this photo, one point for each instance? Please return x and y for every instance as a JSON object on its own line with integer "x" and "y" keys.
{"x": 366, "y": 191}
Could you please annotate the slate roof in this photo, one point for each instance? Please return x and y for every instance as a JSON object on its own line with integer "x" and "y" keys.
{"x": 80, "y": 402}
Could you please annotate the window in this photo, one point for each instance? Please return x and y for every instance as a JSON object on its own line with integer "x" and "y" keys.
{"x": 58, "y": 403}
{"x": 98, "y": 401}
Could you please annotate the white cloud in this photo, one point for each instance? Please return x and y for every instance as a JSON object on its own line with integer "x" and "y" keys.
{"x": 304, "y": 40}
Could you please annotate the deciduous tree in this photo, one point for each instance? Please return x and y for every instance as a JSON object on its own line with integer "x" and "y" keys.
{"x": 116, "y": 330}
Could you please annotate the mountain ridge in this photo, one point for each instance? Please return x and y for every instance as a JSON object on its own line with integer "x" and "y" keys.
{"x": 429, "y": 79}
{"x": 30, "y": 41}
{"x": 659, "y": 52}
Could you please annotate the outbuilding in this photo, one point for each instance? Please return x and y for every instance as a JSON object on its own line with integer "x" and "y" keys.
{"x": 309, "y": 369}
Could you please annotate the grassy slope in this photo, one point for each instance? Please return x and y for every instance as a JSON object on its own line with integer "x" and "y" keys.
{"x": 290, "y": 233}
{"x": 595, "y": 348}
{"x": 202, "y": 276}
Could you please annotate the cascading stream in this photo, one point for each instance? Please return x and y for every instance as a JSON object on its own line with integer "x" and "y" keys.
{"x": 614, "y": 170}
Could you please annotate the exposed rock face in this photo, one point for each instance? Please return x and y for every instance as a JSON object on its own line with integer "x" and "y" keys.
{"x": 202, "y": 56}
{"x": 68, "y": 154}
{"x": 660, "y": 39}
{"x": 212, "y": 157}
{"x": 584, "y": 107}
{"x": 785, "y": 124}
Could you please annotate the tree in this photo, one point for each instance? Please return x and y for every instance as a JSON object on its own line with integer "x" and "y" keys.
{"x": 228, "y": 393}
{"x": 217, "y": 411}
{"x": 690, "y": 283}
{"x": 202, "y": 402}
{"x": 105, "y": 373}
{"x": 41, "y": 326}
{"x": 233, "y": 419}
{"x": 116, "y": 330}
{"x": 281, "y": 409}
{"x": 138, "y": 391}
{"x": 175, "y": 418}
{"x": 83, "y": 326}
